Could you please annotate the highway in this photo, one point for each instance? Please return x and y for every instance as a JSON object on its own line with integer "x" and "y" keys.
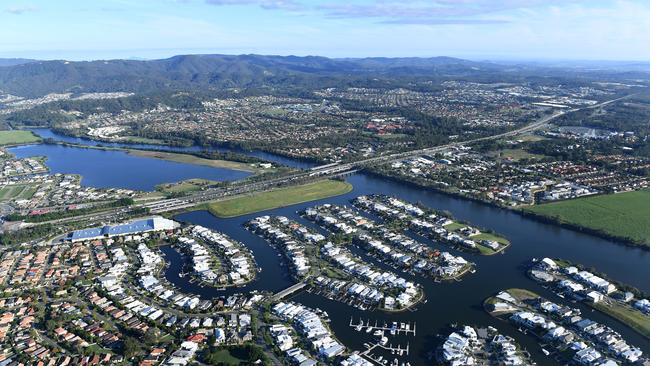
{"x": 325, "y": 171}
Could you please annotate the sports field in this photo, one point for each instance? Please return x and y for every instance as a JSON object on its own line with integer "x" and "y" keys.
{"x": 624, "y": 215}
{"x": 279, "y": 198}
{"x": 17, "y": 191}
{"x": 16, "y": 137}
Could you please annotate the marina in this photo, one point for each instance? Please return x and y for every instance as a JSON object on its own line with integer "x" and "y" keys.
{"x": 394, "y": 329}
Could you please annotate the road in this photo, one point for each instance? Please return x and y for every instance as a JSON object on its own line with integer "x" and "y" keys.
{"x": 326, "y": 171}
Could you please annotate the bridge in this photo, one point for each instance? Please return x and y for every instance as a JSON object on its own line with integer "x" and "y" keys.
{"x": 289, "y": 290}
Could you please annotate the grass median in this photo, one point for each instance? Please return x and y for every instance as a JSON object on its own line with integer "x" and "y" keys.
{"x": 280, "y": 197}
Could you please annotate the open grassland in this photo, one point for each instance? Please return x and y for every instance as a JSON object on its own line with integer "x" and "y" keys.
{"x": 17, "y": 137}
{"x": 191, "y": 159}
{"x": 623, "y": 215}
{"x": 279, "y": 198}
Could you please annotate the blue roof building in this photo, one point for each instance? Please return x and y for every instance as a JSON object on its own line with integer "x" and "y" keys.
{"x": 135, "y": 227}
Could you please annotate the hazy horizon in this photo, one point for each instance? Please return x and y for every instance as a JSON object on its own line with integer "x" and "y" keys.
{"x": 514, "y": 30}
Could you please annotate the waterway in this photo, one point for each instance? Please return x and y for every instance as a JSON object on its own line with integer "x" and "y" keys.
{"x": 46, "y": 133}
{"x": 457, "y": 302}
{"x": 118, "y": 169}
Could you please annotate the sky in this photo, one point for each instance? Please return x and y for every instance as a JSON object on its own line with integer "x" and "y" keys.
{"x": 474, "y": 29}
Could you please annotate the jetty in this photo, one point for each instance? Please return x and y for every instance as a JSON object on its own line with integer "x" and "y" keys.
{"x": 394, "y": 328}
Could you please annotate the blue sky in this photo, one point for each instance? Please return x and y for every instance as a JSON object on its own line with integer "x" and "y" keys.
{"x": 477, "y": 29}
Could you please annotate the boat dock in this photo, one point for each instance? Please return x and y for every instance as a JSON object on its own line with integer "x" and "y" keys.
{"x": 394, "y": 328}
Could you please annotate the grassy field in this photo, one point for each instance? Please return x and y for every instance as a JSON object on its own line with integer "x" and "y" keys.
{"x": 627, "y": 315}
{"x": 191, "y": 159}
{"x": 522, "y": 294}
{"x": 454, "y": 226}
{"x": 624, "y": 215}
{"x": 186, "y": 186}
{"x": 224, "y": 357}
{"x": 516, "y": 155}
{"x": 17, "y": 191}
{"x": 279, "y": 198}
{"x": 16, "y": 137}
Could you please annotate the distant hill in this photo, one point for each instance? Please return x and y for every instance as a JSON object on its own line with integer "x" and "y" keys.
{"x": 214, "y": 72}
{"x": 14, "y": 61}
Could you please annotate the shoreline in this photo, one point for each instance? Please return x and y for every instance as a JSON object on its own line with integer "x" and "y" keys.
{"x": 527, "y": 214}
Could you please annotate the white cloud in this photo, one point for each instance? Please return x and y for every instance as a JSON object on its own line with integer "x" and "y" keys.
{"x": 20, "y": 9}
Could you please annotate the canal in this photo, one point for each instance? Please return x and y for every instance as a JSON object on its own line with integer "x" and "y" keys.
{"x": 457, "y": 302}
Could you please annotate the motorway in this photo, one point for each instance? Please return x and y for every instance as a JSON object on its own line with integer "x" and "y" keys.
{"x": 325, "y": 171}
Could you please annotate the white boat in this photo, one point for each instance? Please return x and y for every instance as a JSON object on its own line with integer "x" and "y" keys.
{"x": 383, "y": 341}
{"x": 378, "y": 333}
{"x": 369, "y": 329}
{"x": 358, "y": 328}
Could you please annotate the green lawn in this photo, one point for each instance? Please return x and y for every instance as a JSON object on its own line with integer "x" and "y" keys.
{"x": 279, "y": 198}
{"x": 454, "y": 226}
{"x": 16, "y": 137}
{"x": 516, "y": 154}
{"x": 625, "y": 215}
{"x": 18, "y": 191}
{"x": 627, "y": 315}
{"x": 522, "y": 294}
{"x": 223, "y": 356}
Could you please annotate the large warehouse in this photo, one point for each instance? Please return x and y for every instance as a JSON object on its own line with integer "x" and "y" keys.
{"x": 136, "y": 227}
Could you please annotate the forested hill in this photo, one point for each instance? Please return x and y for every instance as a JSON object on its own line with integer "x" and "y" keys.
{"x": 14, "y": 61}
{"x": 212, "y": 72}
{"x": 208, "y": 73}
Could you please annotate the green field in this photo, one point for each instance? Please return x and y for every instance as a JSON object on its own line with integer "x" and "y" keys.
{"x": 191, "y": 159}
{"x": 186, "y": 186}
{"x": 279, "y": 198}
{"x": 454, "y": 226}
{"x": 18, "y": 191}
{"x": 516, "y": 154}
{"x": 626, "y": 315}
{"x": 16, "y": 137}
{"x": 522, "y": 294}
{"x": 623, "y": 215}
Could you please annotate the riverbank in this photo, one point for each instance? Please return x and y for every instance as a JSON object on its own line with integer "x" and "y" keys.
{"x": 191, "y": 159}
{"x": 619, "y": 239}
{"x": 278, "y": 198}
{"x": 614, "y": 302}
{"x": 625, "y": 216}
{"x": 17, "y": 137}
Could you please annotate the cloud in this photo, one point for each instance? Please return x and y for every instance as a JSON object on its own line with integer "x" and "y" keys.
{"x": 428, "y": 21}
{"x": 265, "y": 4}
{"x": 437, "y": 12}
{"x": 17, "y": 10}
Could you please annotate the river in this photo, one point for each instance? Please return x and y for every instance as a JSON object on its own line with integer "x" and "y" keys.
{"x": 458, "y": 302}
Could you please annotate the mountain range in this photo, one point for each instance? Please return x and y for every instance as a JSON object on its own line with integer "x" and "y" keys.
{"x": 32, "y": 78}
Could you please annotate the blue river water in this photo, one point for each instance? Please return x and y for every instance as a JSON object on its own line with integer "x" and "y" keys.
{"x": 457, "y": 302}
{"x": 119, "y": 169}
